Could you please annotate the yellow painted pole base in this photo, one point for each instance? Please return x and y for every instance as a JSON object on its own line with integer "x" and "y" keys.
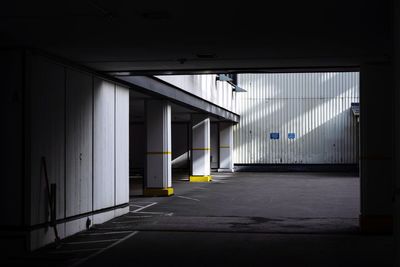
{"x": 158, "y": 192}
{"x": 200, "y": 179}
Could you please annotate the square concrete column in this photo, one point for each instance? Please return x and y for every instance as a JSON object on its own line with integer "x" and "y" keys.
{"x": 396, "y": 74}
{"x": 200, "y": 149}
{"x": 225, "y": 147}
{"x": 158, "y": 176}
{"x": 376, "y": 147}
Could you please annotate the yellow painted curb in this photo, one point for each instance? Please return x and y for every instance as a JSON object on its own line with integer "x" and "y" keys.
{"x": 200, "y": 179}
{"x": 158, "y": 192}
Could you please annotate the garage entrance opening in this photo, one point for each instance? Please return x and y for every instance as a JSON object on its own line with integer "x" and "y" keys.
{"x": 295, "y": 155}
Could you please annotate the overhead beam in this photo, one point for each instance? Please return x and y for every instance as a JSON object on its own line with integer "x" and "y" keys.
{"x": 161, "y": 89}
{"x": 153, "y": 87}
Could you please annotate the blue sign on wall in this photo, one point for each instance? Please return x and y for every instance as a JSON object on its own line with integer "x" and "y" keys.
{"x": 274, "y": 135}
{"x": 291, "y": 135}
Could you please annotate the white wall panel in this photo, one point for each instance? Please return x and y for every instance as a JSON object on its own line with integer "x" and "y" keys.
{"x": 122, "y": 145}
{"x": 103, "y": 150}
{"x": 313, "y": 106}
{"x": 79, "y": 143}
{"x": 74, "y": 122}
{"x": 47, "y": 118}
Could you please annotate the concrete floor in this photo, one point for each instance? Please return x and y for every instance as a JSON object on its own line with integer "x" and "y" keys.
{"x": 241, "y": 219}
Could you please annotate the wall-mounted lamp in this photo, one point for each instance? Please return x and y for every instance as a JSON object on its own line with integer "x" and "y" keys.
{"x": 232, "y": 80}
{"x": 238, "y": 89}
{"x": 224, "y": 78}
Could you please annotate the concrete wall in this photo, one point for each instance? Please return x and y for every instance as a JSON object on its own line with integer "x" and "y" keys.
{"x": 180, "y": 145}
{"x": 80, "y": 123}
{"x": 376, "y": 143}
{"x": 12, "y": 141}
{"x": 46, "y": 85}
{"x": 396, "y": 75}
{"x": 137, "y": 147}
{"x": 206, "y": 87}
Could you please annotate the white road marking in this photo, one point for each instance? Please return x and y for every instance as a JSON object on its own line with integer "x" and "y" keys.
{"x": 155, "y": 213}
{"x": 194, "y": 199}
{"x": 139, "y": 217}
{"x": 107, "y": 233}
{"x": 73, "y": 251}
{"x": 104, "y": 249}
{"x": 145, "y": 207}
{"x": 90, "y": 242}
{"x": 140, "y": 202}
{"x": 133, "y": 205}
{"x": 122, "y": 222}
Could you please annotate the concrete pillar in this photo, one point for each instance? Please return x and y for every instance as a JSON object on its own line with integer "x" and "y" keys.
{"x": 376, "y": 147}
{"x": 200, "y": 149}
{"x": 158, "y": 176}
{"x": 225, "y": 147}
{"x": 396, "y": 75}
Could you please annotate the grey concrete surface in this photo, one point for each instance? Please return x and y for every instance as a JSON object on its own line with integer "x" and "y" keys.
{"x": 240, "y": 219}
{"x": 256, "y": 202}
{"x": 243, "y": 249}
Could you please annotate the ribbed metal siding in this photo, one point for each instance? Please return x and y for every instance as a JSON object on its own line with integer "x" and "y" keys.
{"x": 314, "y": 106}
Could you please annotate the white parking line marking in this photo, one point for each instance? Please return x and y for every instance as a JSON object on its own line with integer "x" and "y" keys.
{"x": 145, "y": 207}
{"x": 122, "y": 222}
{"x": 92, "y": 241}
{"x": 107, "y": 233}
{"x": 133, "y": 205}
{"x": 139, "y": 217}
{"x": 155, "y": 213}
{"x": 194, "y": 199}
{"x": 104, "y": 249}
{"x": 140, "y": 202}
{"x": 73, "y": 251}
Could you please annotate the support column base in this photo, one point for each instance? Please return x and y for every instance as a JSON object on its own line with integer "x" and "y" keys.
{"x": 200, "y": 179}
{"x": 226, "y": 170}
{"x": 158, "y": 192}
{"x": 376, "y": 224}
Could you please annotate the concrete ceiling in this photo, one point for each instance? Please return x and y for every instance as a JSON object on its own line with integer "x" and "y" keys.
{"x": 176, "y": 37}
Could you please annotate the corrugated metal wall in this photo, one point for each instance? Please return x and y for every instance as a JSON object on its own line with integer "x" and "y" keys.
{"x": 310, "y": 112}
